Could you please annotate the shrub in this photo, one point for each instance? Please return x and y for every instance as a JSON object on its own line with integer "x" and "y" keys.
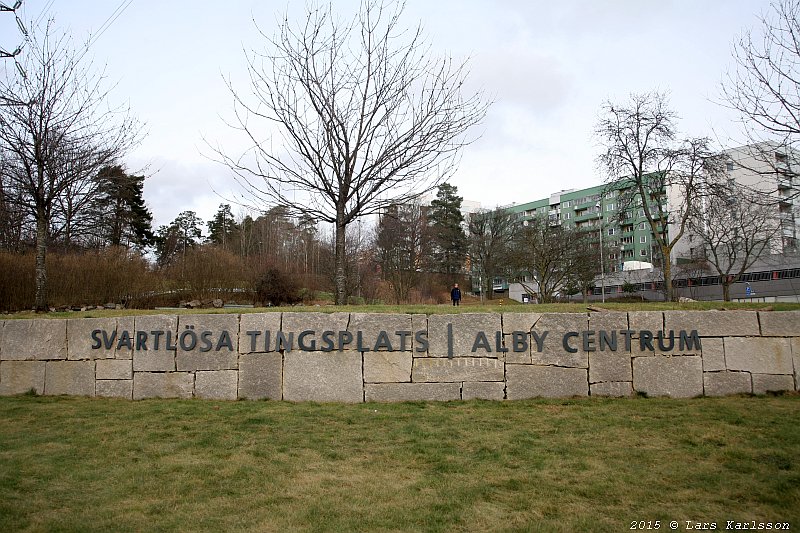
{"x": 276, "y": 287}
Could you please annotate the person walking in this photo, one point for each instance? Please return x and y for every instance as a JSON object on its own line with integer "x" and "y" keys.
{"x": 455, "y": 295}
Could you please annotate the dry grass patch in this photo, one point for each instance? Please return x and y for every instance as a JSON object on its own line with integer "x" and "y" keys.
{"x": 70, "y": 464}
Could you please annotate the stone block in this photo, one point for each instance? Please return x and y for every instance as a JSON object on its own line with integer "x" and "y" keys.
{"x": 383, "y": 367}
{"x": 483, "y": 390}
{"x": 114, "y": 369}
{"x": 409, "y": 392}
{"x": 371, "y": 324}
{"x": 457, "y": 369}
{"x": 560, "y": 323}
{"x": 261, "y": 376}
{"x": 676, "y": 377}
{"x": 514, "y": 324}
{"x": 551, "y": 329}
{"x": 261, "y": 323}
{"x": 38, "y": 339}
{"x": 124, "y": 323}
{"x": 74, "y": 378}
{"x": 796, "y": 359}
{"x": 157, "y": 357}
{"x": 514, "y": 355}
{"x": 19, "y": 377}
{"x": 207, "y": 342}
{"x": 759, "y": 355}
{"x": 609, "y": 366}
{"x": 216, "y": 384}
{"x": 713, "y": 355}
{"x": 608, "y": 321}
{"x": 616, "y": 389}
{"x": 162, "y": 385}
{"x": 646, "y": 320}
{"x": 115, "y": 388}
{"x": 519, "y": 322}
{"x": 713, "y": 323}
{"x": 528, "y": 381}
{"x": 323, "y": 377}
{"x": 555, "y": 355}
{"x": 726, "y": 383}
{"x": 764, "y": 383}
{"x": 80, "y": 341}
{"x": 296, "y": 323}
{"x": 465, "y": 327}
{"x": 780, "y": 324}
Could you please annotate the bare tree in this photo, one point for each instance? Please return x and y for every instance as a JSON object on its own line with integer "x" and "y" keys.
{"x": 491, "y": 234}
{"x": 403, "y": 247}
{"x": 556, "y": 256}
{"x": 764, "y": 88}
{"x": 735, "y": 231}
{"x": 653, "y": 171}
{"x": 367, "y": 117}
{"x": 62, "y": 135}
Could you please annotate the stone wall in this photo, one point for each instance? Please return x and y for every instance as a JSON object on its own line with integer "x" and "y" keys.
{"x": 342, "y": 357}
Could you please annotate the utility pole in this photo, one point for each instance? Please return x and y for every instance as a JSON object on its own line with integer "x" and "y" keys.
{"x": 599, "y": 207}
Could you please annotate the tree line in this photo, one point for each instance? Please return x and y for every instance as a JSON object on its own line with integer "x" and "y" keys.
{"x": 368, "y": 121}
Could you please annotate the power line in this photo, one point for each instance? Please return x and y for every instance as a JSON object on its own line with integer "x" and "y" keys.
{"x": 124, "y": 4}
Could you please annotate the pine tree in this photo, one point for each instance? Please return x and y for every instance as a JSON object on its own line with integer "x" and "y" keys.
{"x": 449, "y": 239}
{"x": 222, "y": 227}
{"x": 124, "y": 219}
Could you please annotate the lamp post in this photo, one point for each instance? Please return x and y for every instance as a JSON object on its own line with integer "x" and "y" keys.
{"x": 602, "y": 268}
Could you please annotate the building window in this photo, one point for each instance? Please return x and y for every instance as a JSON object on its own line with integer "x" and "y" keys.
{"x": 643, "y": 253}
{"x": 566, "y": 204}
{"x": 729, "y": 166}
{"x": 609, "y": 207}
{"x": 611, "y": 231}
{"x": 643, "y": 225}
{"x": 641, "y": 212}
{"x": 643, "y": 239}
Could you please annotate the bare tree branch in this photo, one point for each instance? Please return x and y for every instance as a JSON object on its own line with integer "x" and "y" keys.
{"x": 366, "y": 118}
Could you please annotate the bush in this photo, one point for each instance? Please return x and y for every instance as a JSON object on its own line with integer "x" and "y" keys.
{"x": 275, "y": 287}
{"x": 93, "y": 277}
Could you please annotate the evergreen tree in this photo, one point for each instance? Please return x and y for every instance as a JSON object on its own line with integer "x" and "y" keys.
{"x": 449, "y": 239}
{"x": 183, "y": 233}
{"x": 124, "y": 219}
{"x": 222, "y": 227}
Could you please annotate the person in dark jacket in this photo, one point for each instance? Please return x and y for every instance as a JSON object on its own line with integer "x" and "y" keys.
{"x": 455, "y": 294}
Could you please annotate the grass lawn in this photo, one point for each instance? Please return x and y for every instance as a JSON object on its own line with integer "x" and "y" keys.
{"x": 473, "y": 306}
{"x": 79, "y": 464}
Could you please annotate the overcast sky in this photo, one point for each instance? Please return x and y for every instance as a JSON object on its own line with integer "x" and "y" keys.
{"x": 549, "y": 65}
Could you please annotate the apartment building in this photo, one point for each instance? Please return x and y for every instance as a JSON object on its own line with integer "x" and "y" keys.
{"x": 771, "y": 170}
{"x": 626, "y": 234}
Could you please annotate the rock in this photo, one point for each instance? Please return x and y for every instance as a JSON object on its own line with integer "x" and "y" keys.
{"x": 759, "y": 355}
{"x": 529, "y": 381}
{"x": 407, "y": 392}
{"x": 676, "y": 377}
{"x": 194, "y": 304}
{"x": 684, "y": 299}
{"x": 110, "y": 305}
{"x": 217, "y": 303}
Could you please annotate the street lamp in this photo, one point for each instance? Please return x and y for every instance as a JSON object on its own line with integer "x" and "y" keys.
{"x": 602, "y": 268}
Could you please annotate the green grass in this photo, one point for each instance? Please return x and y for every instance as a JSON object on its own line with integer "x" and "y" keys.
{"x": 70, "y": 464}
{"x": 496, "y": 306}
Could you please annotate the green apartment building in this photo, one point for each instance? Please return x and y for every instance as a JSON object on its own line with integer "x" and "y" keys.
{"x": 626, "y": 235}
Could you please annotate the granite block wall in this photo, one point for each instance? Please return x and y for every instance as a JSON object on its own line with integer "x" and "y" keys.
{"x": 341, "y": 357}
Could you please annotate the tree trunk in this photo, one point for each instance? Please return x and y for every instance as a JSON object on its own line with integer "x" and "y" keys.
{"x": 667, "y": 269}
{"x": 340, "y": 276}
{"x": 726, "y": 290}
{"x": 40, "y": 304}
